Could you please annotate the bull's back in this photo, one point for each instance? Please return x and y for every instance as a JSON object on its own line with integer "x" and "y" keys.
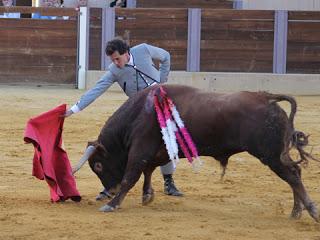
{"x": 230, "y": 119}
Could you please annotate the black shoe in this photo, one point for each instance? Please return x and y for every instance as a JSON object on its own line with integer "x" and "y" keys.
{"x": 103, "y": 195}
{"x": 169, "y": 187}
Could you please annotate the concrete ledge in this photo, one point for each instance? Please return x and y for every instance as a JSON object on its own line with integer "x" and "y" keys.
{"x": 305, "y": 5}
{"x": 295, "y": 84}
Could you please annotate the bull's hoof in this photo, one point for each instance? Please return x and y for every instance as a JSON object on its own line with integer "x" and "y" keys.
{"x": 147, "y": 198}
{"x": 312, "y": 209}
{"x": 106, "y": 208}
{"x": 297, "y": 211}
{"x": 296, "y": 214}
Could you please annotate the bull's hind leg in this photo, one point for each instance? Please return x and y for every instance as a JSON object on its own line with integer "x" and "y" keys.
{"x": 223, "y": 159}
{"x": 298, "y": 206}
{"x": 291, "y": 174}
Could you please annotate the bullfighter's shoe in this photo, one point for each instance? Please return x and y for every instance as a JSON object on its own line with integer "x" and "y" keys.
{"x": 169, "y": 187}
{"x": 103, "y": 195}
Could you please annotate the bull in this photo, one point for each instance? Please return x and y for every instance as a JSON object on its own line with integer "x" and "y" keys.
{"x": 221, "y": 125}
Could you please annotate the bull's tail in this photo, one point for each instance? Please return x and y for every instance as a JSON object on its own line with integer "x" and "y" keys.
{"x": 291, "y": 100}
{"x": 299, "y": 141}
{"x": 294, "y": 139}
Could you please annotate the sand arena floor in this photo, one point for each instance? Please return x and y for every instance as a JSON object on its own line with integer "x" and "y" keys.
{"x": 251, "y": 202}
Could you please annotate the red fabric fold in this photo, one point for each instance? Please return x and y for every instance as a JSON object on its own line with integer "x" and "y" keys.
{"x": 50, "y": 161}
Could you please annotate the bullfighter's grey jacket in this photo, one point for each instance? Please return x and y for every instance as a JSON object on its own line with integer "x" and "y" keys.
{"x": 132, "y": 78}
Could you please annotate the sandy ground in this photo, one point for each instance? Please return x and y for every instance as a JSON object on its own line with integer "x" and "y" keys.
{"x": 251, "y": 202}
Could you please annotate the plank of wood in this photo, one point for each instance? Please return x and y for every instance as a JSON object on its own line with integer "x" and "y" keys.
{"x": 303, "y": 67}
{"x": 149, "y": 34}
{"x": 151, "y": 13}
{"x": 157, "y": 24}
{"x": 8, "y": 23}
{"x": 307, "y": 32}
{"x": 236, "y": 44}
{"x": 240, "y": 25}
{"x": 236, "y": 66}
{"x": 222, "y": 14}
{"x": 185, "y": 3}
{"x": 304, "y": 15}
{"x": 38, "y": 50}
{"x": 239, "y": 54}
{"x": 237, "y": 35}
{"x": 71, "y": 12}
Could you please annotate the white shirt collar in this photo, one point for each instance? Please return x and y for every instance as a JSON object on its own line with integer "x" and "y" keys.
{"x": 130, "y": 60}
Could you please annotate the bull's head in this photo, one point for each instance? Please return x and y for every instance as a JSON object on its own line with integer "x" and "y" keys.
{"x": 101, "y": 164}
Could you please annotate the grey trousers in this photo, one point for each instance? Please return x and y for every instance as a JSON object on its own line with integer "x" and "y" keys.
{"x": 169, "y": 168}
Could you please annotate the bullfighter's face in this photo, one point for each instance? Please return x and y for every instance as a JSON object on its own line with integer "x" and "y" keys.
{"x": 82, "y": 3}
{"x": 120, "y": 60}
{"x": 50, "y": 3}
{"x": 107, "y": 173}
{"x": 7, "y": 3}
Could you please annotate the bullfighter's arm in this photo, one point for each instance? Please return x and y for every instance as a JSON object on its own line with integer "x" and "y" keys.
{"x": 101, "y": 86}
{"x": 164, "y": 57}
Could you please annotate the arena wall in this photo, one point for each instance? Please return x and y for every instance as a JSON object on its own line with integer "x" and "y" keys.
{"x": 295, "y": 84}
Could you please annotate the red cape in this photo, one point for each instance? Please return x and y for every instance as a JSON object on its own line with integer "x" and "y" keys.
{"x": 50, "y": 161}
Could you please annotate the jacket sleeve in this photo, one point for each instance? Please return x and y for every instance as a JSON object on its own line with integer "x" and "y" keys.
{"x": 101, "y": 86}
{"x": 164, "y": 57}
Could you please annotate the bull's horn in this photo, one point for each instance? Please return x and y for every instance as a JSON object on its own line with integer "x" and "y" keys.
{"x": 89, "y": 151}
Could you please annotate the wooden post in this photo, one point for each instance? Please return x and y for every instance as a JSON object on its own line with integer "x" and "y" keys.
{"x": 237, "y": 4}
{"x": 131, "y": 3}
{"x": 194, "y": 38}
{"x": 83, "y": 47}
{"x": 280, "y": 41}
{"x": 108, "y": 33}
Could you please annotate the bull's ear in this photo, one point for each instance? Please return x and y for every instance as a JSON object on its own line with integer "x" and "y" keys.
{"x": 97, "y": 145}
{"x": 93, "y": 143}
{"x": 100, "y": 148}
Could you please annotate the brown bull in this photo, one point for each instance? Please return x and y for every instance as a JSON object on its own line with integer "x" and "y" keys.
{"x": 130, "y": 143}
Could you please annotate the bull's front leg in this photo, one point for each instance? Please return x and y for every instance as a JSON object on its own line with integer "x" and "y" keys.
{"x": 129, "y": 180}
{"x": 138, "y": 161}
{"x": 148, "y": 193}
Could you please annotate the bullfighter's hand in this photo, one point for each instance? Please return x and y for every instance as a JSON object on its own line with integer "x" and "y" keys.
{"x": 68, "y": 113}
{"x": 74, "y": 170}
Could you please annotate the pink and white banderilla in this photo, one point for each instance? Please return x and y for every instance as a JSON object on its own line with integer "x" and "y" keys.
{"x": 173, "y": 129}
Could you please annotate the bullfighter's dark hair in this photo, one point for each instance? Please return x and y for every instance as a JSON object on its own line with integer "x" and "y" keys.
{"x": 117, "y": 44}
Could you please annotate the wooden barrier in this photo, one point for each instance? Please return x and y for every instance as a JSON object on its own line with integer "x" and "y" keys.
{"x": 167, "y": 29}
{"x": 303, "y": 54}
{"x": 230, "y": 41}
{"x": 236, "y": 41}
{"x": 44, "y": 11}
{"x": 45, "y": 51}
{"x": 38, "y": 51}
{"x": 216, "y": 4}
{"x": 95, "y": 38}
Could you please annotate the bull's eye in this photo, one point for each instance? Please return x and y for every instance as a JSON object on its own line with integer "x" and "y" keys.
{"x": 98, "y": 167}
